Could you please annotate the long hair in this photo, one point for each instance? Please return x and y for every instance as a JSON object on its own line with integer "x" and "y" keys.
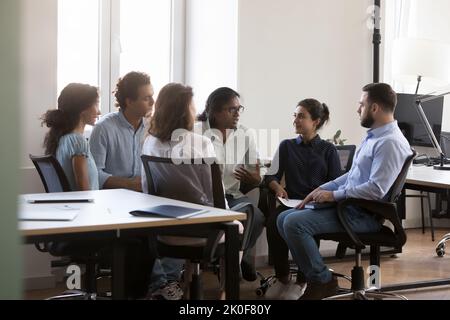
{"x": 317, "y": 110}
{"x": 73, "y": 100}
{"x": 172, "y": 111}
{"x": 216, "y": 101}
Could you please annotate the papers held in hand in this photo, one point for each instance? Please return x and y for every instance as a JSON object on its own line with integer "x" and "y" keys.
{"x": 293, "y": 203}
{"x": 168, "y": 211}
{"x": 290, "y": 203}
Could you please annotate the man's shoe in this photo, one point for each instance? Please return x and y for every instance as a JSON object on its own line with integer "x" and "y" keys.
{"x": 319, "y": 291}
{"x": 294, "y": 291}
{"x": 277, "y": 290}
{"x": 169, "y": 291}
{"x": 248, "y": 271}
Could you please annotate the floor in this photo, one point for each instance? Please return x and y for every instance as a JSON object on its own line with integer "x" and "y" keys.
{"x": 417, "y": 262}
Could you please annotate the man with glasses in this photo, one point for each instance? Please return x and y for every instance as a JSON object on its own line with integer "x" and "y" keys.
{"x": 237, "y": 155}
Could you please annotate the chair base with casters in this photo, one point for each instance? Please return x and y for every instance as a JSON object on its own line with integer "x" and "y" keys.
{"x": 198, "y": 257}
{"x": 440, "y": 247}
{"x": 79, "y": 255}
{"x": 176, "y": 181}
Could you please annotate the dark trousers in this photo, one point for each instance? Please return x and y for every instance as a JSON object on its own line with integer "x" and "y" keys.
{"x": 278, "y": 249}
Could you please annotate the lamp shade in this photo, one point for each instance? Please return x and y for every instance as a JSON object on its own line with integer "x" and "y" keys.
{"x": 419, "y": 57}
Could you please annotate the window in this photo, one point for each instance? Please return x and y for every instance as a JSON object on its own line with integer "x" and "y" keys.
{"x": 101, "y": 40}
{"x": 145, "y": 34}
{"x": 78, "y": 42}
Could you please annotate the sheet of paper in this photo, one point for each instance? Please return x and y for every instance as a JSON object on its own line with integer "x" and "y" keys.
{"x": 290, "y": 203}
{"x": 47, "y": 212}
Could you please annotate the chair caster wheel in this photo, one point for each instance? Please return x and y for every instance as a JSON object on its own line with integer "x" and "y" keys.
{"x": 440, "y": 251}
{"x": 260, "y": 292}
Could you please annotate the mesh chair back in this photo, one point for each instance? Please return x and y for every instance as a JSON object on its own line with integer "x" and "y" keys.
{"x": 190, "y": 180}
{"x": 52, "y": 174}
{"x": 346, "y": 154}
{"x": 396, "y": 189}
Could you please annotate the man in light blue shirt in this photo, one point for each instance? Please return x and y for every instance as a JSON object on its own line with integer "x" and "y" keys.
{"x": 116, "y": 140}
{"x": 376, "y": 165}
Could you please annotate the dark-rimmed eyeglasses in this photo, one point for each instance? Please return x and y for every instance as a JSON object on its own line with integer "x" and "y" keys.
{"x": 235, "y": 110}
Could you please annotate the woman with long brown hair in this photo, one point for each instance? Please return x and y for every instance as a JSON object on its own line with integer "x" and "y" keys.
{"x": 171, "y": 136}
{"x": 77, "y": 107}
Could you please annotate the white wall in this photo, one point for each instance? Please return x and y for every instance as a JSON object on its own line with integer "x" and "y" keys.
{"x": 38, "y": 93}
{"x": 295, "y": 49}
{"x": 211, "y": 46}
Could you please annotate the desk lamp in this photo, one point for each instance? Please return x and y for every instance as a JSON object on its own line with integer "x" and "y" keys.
{"x": 423, "y": 60}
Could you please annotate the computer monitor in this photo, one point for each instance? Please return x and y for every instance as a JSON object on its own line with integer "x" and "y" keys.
{"x": 445, "y": 143}
{"x": 409, "y": 121}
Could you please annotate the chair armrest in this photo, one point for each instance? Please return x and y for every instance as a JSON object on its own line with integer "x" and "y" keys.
{"x": 385, "y": 210}
{"x": 247, "y": 208}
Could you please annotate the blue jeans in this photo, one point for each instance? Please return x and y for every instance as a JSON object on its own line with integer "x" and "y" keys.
{"x": 298, "y": 227}
{"x": 165, "y": 270}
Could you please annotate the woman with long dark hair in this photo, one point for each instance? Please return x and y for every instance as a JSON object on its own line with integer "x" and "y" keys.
{"x": 305, "y": 162}
{"x": 77, "y": 107}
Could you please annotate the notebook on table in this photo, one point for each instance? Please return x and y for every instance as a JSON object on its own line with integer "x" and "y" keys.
{"x": 168, "y": 211}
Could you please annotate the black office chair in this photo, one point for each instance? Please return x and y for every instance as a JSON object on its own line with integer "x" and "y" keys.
{"x": 346, "y": 154}
{"x": 80, "y": 252}
{"x": 197, "y": 181}
{"x": 386, "y": 237}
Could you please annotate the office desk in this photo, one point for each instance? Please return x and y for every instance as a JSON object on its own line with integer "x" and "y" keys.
{"x": 108, "y": 218}
{"x": 422, "y": 178}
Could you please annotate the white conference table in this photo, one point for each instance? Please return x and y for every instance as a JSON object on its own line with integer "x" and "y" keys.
{"x": 422, "y": 178}
{"x": 108, "y": 217}
{"x": 428, "y": 177}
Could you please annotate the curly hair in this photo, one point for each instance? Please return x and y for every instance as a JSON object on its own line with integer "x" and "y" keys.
{"x": 128, "y": 87}
{"x": 73, "y": 100}
{"x": 172, "y": 111}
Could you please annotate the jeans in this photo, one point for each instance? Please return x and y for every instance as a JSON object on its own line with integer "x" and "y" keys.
{"x": 258, "y": 226}
{"x": 165, "y": 270}
{"x": 298, "y": 227}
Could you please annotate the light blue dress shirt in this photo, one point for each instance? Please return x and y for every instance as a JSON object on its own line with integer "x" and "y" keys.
{"x": 74, "y": 144}
{"x": 376, "y": 165}
{"x": 116, "y": 147}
